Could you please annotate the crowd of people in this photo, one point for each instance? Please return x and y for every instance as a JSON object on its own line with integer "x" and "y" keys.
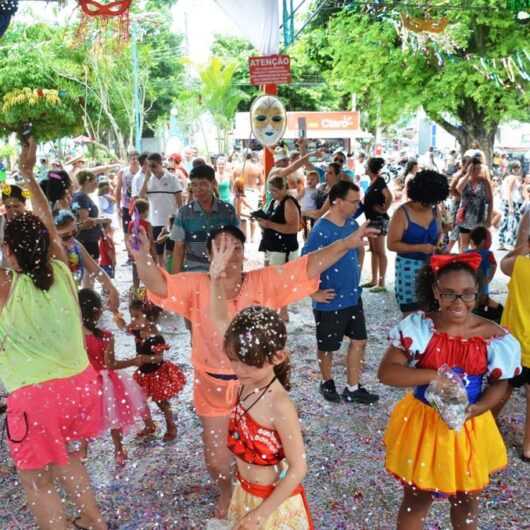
{"x": 186, "y": 223}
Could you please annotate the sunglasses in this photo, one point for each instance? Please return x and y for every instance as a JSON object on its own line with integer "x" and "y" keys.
{"x": 69, "y": 235}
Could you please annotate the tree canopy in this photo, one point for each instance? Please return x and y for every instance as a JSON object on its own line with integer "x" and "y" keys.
{"x": 92, "y": 79}
{"x": 466, "y": 78}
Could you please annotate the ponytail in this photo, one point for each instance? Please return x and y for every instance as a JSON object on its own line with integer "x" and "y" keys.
{"x": 282, "y": 372}
{"x": 29, "y": 240}
{"x": 41, "y": 275}
{"x": 91, "y": 305}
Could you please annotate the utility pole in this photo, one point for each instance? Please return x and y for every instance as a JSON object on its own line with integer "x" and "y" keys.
{"x": 136, "y": 89}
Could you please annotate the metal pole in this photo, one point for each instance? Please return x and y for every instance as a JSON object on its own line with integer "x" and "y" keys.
{"x": 136, "y": 89}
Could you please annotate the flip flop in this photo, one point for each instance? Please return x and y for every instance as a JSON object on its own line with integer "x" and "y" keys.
{"x": 77, "y": 525}
{"x": 378, "y": 289}
{"x": 367, "y": 285}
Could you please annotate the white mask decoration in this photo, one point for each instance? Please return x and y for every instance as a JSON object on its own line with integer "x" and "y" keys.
{"x": 268, "y": 119}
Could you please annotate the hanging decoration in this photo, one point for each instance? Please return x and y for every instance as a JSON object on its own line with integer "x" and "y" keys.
{"x": 7, "y": 9}
{"x": 105, "y": 14}
{"x": 40, "y": 106}
{"x": 511, "y": 70}
{"x": 420, "y": 25}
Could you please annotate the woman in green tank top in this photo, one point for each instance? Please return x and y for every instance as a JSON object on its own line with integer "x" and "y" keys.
{"x": 54, "y": 393}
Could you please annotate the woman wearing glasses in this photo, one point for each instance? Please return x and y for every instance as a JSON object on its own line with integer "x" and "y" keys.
{"x": 421, "y": 450}
{"x": 80, "y": 262}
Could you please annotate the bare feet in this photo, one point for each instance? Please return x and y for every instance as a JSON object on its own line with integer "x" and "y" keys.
{"x": 148, "y": 430}
{"x": 121, "y": 457}
{"x": 170, "y": 435}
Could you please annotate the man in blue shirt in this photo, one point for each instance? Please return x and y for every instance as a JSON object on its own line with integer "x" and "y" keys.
{"x": 337, "y": 306}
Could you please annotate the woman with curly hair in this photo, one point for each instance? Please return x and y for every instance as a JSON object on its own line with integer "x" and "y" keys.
{"x": 414, "y": 232}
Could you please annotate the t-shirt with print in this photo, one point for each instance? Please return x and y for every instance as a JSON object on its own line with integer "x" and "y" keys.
{"x": 161, "y": 194}
{"x": 343, "y": 277}
{"x": 188, "y": 295}
{"x": 193, "y": 225}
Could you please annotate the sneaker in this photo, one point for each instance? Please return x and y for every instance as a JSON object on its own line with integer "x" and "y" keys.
{"x": 361, "y": 395}
{"x": 329, "y": 391}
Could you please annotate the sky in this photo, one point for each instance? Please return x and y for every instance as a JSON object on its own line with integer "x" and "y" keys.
{"x": 203, "y": 18}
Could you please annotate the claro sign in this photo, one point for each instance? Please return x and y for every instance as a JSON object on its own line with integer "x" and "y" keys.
{"x": 319, "y": 121}
{"x": 270, "y": 69}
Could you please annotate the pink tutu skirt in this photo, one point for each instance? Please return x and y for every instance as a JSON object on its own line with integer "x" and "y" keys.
{"x": 124, "y": 402}
{"x": 43, "y": 419}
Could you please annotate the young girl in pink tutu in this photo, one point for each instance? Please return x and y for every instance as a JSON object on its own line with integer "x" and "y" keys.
{"x": 123, "y": 400}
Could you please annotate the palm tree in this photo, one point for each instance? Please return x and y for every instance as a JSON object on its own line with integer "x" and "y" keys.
{"x": 220, "y": 96}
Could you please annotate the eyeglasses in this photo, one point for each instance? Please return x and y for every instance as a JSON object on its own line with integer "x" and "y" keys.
{"x": 453, "y": 297}
{"x": 69, "y": 235}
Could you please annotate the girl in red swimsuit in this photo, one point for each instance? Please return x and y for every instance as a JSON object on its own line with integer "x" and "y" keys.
{"x": 264, "y": 431}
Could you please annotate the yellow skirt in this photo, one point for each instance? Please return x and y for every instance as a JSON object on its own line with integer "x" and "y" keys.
{"x": 423, "y": 452}
{"x": 292, "y": 514}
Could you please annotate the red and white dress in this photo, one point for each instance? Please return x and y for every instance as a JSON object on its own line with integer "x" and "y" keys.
{"x": 124, "y": 401}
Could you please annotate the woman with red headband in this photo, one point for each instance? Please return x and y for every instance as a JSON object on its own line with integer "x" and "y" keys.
{"x": 421, "y": 450}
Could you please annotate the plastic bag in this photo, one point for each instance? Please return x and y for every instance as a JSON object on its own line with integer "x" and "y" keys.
{"x": 449, "y": 397}
{"x": 218, "y": 524}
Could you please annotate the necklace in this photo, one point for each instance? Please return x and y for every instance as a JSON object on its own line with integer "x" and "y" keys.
{"x": 256, "y": 390}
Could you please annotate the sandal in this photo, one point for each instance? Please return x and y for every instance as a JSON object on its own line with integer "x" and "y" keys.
{"x": 367, "y": 285}
{"x": 77, "y": 525}
{"x": 378, "y": 289}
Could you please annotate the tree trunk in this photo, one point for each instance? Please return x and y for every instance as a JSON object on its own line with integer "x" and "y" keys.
{"x": 474, "y": 131}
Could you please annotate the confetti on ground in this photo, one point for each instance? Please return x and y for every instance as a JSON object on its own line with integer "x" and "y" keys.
{"x": 166, "y": 487}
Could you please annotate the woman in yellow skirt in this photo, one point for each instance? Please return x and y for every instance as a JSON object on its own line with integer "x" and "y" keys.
{"x": 422, "y": 451}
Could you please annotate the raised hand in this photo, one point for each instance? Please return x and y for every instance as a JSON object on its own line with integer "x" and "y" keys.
{"x": 28, "y": 156}
{"x": 356, "y": 239}
{"x": 222, "y": 250}
{"x": 142, "y": 251}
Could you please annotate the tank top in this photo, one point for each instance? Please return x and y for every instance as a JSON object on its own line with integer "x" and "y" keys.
{"x": 274, "y": 241}
{"x": 126, "y": 189}
{"x": 41, "y": 336}
{"x": 415, "y": 234}
{"x": 224, "y": 190}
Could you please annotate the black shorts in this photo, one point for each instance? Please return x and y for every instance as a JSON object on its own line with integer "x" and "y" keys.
{"x": 464, "y": 230}
{"x": 522, "y": 379}
{"x": 125, "y": 219}
{"x": 92, "y": 247}
{"x": 333, "y": 326}
{"x": 167, "y": 244}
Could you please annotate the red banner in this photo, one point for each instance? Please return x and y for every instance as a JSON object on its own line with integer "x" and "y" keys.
{"x": 270, "y": 69}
